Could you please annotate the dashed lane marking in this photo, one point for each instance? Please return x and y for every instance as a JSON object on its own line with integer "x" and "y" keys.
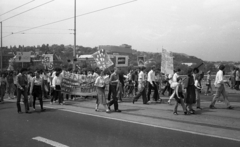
{"x": 50, "y": 142}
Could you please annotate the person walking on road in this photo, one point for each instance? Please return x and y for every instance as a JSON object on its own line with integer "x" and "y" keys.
{"x": 56, "y": 83}
{"x": 113, "y": 81}
{"x": 178, "y": 95}
{"x": 100, "y": 87}
{"x": 209, "y": 83}
{"x": 190, "y": 98}
{"x": 22, "y": 89}
{"x": 37, "y": 89}
{"x": 141, "y": 87}
{"x": 198, "y": 88}
{"x": 237, "y": 79}
{"x": 10, "y": 87}
{"x": 219, "y": 84}
{"x": 3, "y": 86}
{"x": 152, "y": 85}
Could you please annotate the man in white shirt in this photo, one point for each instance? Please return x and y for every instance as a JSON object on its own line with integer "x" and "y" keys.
{"x": 152, "y": 85}
{"x": 219, "y": 84}
{"x": 141, "y": 87}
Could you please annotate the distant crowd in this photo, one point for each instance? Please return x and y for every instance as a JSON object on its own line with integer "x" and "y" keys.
{"x": 186, "y": 91}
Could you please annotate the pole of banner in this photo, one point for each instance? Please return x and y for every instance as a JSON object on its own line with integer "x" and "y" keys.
{"x": 74, "y": 49}
{"x": 1, "y": 49}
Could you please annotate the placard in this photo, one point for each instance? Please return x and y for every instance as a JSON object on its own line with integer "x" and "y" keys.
{"x": 23, "y": 57}
{"x": 167, "y": 62}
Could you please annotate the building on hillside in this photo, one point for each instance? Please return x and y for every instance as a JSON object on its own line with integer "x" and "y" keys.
{"x": 6, "y": 56}
{"x": 188, "y": 64}
{"x": 117, "y": 50}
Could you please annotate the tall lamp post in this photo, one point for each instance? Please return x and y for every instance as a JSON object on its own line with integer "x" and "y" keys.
{"x": 1, "y": 49}
{"x": 74, "y": 49}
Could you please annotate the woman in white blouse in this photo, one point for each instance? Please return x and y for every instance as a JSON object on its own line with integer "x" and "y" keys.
{"x": 36, "y": 89}
{"x": 100, "y": 87}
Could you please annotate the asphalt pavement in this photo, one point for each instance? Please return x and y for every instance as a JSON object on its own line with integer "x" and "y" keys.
{"x": 76, "y": 124}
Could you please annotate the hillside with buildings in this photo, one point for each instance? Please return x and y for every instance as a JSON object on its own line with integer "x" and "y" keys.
{"x": 63, "y": 56}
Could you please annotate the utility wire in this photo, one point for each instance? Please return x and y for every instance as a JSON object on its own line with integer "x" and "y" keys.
{"x": 27, "y": 10}
{"x": 17, "y": 7}
{"x": 73, "y": 17}
{"x": 40, "y": 28}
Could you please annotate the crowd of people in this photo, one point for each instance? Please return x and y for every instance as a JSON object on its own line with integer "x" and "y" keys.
{"x": 137, "y": 83}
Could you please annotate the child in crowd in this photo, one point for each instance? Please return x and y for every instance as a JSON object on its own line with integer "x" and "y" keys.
{"x": 179, "y": 97}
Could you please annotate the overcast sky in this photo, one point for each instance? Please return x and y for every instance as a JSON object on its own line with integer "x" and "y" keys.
{"x": 208, "y": 29}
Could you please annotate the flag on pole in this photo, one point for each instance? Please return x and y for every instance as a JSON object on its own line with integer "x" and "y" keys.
{"x": 102, "y": 59}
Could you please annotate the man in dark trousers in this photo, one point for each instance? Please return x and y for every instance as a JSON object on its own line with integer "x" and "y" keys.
{"x": 113, "y": 82}
{"x": 22, "y": 89}
{"x": 141, "y": 87}
{"x": 152, "y": 84}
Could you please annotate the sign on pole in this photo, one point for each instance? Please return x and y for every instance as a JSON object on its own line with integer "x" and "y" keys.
{"x": 48, "y": 61}
{"x": 141, "y": 61}
{"x": 121, "y": 61}
{"x": 23, "y": 57}
{"x": 167, "y": 62}
{"x": 102, "y": 59}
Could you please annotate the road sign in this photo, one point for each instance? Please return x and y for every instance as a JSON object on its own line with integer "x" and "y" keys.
{"x": 23, "y": 57}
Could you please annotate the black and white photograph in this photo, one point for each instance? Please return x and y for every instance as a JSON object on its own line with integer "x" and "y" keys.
{"x": 119, "y": 73}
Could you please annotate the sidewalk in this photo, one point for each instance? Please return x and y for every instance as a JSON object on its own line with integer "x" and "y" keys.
{"x": 219, "y": 122}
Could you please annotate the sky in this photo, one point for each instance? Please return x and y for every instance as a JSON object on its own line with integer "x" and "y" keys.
{"x": 207, "y": 29}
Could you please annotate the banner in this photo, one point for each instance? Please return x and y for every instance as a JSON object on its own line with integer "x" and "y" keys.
{"x": 167, "y": 62}
{"x": 48, "y": 61}
{"x": 76, "y": 84}
{"x": 23, "y": 57}
{"x": 121, "y": 61}
{"x": 140, "y": 61}
{"x": 102, "y": 59}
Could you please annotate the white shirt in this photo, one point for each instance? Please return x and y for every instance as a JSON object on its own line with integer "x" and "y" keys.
{"x": 175, "y": 76}
{"x": 219, "y": 79}
{"x": 56, "y": 81}
{"x": 151, "y": 76}
{"x": 141, "y": 76}
{"x": 100, "y": 82}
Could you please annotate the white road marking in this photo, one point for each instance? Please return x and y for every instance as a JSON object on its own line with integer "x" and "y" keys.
{"x": 145, "y": 124}
{"x": 50, "y": 142}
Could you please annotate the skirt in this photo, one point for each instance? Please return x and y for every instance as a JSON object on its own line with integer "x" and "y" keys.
{"x": 37, "y": 91}
{"x": 101, "y": 98}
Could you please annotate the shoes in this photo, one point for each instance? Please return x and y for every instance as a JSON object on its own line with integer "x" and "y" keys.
{"x": 230, "y": 107}
{"x": 185, "y": 113}
{"x": 107, "y": 111}
{"x": 212, "y": 107}
{"x": 43, "y": 110}
{"x": 192, "y": 111}
{"x": 28, "y": 112}
{"x": 199, "y": 108}
{"x": 175, "y": 113}
{"x": 118, "y": 111}
{"x": 108, "y": 106}
{"x": 133, "y": 101}
{"x": 96, "y": 109}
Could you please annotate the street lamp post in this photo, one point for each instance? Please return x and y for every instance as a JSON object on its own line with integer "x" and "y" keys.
{"x": 74, "y": 49}
{"x": 1, "y": 49}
